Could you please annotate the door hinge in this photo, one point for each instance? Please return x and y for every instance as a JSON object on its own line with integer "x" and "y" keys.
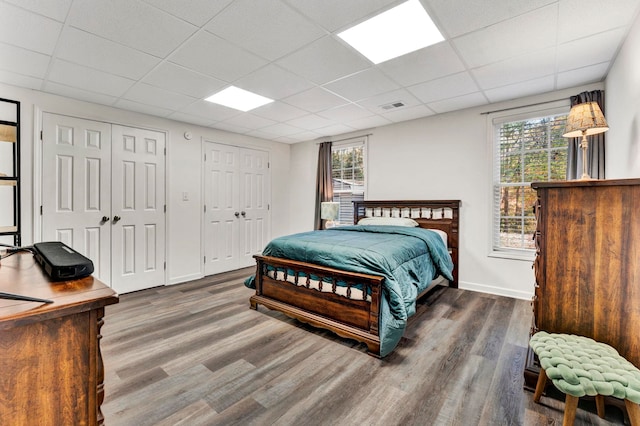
{"x": 205, "y": 208}
{"x": 165, "y": 266}
{"x": 205, "y": 157}
{"x": 165, "y": 208}
{"x": 41, "y": 135}
{"x": 165, "y": 152}
{"x": 268, "y": 164}
{"x": 40, "y": 210}
{"x": 205, "y": 260}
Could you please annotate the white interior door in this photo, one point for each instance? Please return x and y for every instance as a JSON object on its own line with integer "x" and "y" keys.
{"x": 138, "y": 209}
{"x": 254, "y": 204}
{"x": 222, "y": 213}
{"x": 76, "y": 177}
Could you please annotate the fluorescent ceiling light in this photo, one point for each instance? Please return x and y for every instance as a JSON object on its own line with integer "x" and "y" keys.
{"x": 236, "y": 98}
{"x": 393, "y": 33}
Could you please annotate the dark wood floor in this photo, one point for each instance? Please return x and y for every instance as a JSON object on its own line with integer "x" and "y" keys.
{"x": 195, "y": 354}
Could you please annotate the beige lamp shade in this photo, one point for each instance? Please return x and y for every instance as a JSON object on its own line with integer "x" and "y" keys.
{"x": 329, "y": 210}
{"x": 7, "y": 133}
{"x": 585, "y": 119}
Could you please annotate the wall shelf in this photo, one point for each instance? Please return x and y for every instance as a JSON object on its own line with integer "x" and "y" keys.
{"x": 10, "y": 172}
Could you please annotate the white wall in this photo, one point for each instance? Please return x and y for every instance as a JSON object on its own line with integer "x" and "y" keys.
{"x": 622, "y": 110}
{"x": 184, "y": 172}
{"x": 446, "y": 156}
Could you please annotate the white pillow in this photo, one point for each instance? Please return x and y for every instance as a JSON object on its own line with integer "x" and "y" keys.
{"x": 396, "y": 221}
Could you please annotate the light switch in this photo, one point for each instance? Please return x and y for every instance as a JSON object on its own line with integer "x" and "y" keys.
{"x": 185, "y": 196}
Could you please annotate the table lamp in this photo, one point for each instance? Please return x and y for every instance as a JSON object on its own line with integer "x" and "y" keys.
{"x": 585, "y": 119}
{"x": 329, "y": 211}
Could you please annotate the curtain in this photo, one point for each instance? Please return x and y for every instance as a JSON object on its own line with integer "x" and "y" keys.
{"x": 595, "y": 153}
{"x": 324, "y": 184}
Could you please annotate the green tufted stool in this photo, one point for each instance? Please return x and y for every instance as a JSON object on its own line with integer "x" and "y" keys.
{"x": 580, "y": 366}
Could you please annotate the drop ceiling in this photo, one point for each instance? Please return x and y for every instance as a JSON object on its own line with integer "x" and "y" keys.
{"x": 163, "y": 57}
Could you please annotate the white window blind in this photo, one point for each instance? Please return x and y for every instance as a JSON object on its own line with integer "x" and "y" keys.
{"x": 348, "y": 172}
{"x": 528, "y": 148}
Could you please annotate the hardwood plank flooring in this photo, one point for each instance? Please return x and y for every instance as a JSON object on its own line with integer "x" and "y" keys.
{"x": 195, "y": 354}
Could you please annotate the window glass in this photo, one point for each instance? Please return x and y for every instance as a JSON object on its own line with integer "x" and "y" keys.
{"x": 348, "y": 174}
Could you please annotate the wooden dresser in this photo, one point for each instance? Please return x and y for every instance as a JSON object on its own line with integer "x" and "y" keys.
{"x": 587, "y": 265}
{"x": 51, "y": 370}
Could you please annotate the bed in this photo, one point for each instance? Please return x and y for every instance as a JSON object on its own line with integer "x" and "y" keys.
{"x": 360, "y": 300}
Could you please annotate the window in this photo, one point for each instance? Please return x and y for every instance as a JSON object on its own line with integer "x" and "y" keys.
{"x": 348, "y": 173}
{"x": 528, "y": 148}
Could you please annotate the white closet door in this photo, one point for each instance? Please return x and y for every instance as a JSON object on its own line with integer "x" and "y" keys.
{"x": 222, "y": 213}
{"x": 138, "y": 209}
{"x": 254, "y": 204}
{"x": 76, "y": 177}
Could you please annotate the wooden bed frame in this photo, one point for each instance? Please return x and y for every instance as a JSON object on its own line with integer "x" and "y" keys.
{"x": 348, "y": 318}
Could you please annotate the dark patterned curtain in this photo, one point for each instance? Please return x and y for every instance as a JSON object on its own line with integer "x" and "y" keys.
{"x": 324, "y": 184}
{"x": 595, "y": 153}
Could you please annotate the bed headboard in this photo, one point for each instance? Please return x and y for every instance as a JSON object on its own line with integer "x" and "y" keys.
{"x": 430, "y": 214}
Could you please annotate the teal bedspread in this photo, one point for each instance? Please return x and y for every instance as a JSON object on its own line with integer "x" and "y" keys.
{"x": 408, "y": 258}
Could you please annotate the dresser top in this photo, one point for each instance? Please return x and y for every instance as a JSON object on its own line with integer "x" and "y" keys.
{"x": 21, "y": 274}
{"x": 586, "y": 183}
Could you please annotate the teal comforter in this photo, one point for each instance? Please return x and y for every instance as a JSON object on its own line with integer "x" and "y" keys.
{"x": 408, "y": 258}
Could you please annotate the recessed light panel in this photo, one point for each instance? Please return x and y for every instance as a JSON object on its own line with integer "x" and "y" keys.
{"x": 393, "y": 33}
{"x": 236, "y": 98}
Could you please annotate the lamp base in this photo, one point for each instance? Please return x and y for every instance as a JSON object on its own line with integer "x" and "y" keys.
{"x": 584, "y": 145}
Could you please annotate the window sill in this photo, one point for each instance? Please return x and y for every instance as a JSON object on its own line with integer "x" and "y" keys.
{"x": 514, "y": 255}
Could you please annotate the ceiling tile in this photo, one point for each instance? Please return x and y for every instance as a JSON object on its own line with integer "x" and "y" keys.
{"x": 521, "y": 68}
{"x": 142, "y": 108}
{"x": 13, "y": 79}
{"x": 21, "y": 28}
{"x": 281, "y": 129}
{"x": 22, "y": 61}
{"x": 525, "y": 88}
{"x": 363, "y": 84}
{"x": 314, "y": 100}
{"x": 188, "y": 118}
{"x": 324, "y": 60}
{"x": 457, "y": 17}
{"x": 279, "y": 111}
{"x": 345, "y": 113}
{"x": 182, "y": 80}
{"x": 210, "y": 111}
{"x": 369, "y": 122}
{"x": 161, "y": 98}
{"x": 231, "y": 127}
{"x": 215, "y": 57}
{"x": 581, "y": 18}
{"x": 273, "y": 82}
{"x": 250, "y": 121}
{"x": 337, "y": 14}
{"x": 576, "y": 77}
{"x": 461, "y": 102}
{"x": 75, "y": 93}
{"x": 310, "y": 122}
{"x": 84, "y": 78}
{"x": 445, "y": 87}
{"x": 425, "y": 64}
{"x": 54, "y": 9}
{"x": 411, "y": 113}
{"x": 268, "y": 28}
{"x": 92, "y": 51}
{"x": 304, "y": 136}
{"x": 335, "y": 129}
{"x": 131, "y": 23}
{"x": 589, "y": 50}
{"x": 530, "y": 32}
{"x": 198, "y": 12}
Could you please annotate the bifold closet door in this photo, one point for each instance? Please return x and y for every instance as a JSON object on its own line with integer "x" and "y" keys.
{"x": 138, "y": 208}
{"x": 103, "y": 195}
{"x": 236, "y": 210}
{"x": 76, "y": 193}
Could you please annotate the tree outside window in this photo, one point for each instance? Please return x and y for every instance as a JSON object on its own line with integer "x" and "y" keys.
{"x": 348, "y": 174}
{"x": 530, "y": 150}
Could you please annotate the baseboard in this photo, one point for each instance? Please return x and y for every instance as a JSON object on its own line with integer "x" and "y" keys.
{"x": 185, "y": 278}
{"x": 498, "y": 291}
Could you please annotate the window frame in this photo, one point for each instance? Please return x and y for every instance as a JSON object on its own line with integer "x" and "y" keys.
{"x": 494, "y": 122}
{"x": 354, "y": 142}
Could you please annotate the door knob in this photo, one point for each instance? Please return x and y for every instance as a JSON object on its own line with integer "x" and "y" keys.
{"x": 243, "y": 213}
{"x": 116, "y": 218}
{"x": 236, "y": 214}
{"x": 105, "y": 219}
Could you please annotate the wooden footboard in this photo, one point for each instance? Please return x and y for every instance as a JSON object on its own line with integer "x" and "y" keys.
{"x": 349, "y": 318}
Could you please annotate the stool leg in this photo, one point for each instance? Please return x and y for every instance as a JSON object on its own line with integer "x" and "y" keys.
{"x": 570, "y": 408}
{"x": 600, "y": 405}
{"x": 542, "y": 381}
{"x": 634, "y": 412}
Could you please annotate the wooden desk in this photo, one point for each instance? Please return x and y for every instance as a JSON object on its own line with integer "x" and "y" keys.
{"x": 51, "y": 370}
